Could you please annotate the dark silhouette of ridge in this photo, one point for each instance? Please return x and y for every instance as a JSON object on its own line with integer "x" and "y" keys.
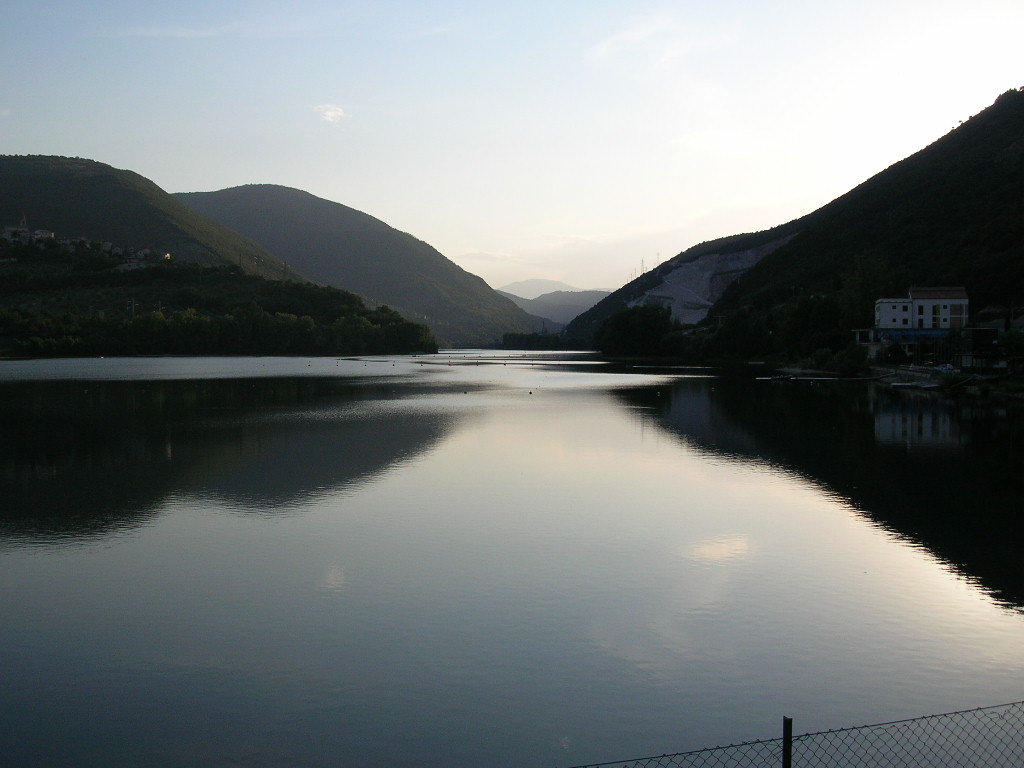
{"x": 340, "y": 246}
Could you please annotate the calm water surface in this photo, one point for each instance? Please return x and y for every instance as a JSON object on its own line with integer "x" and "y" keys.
{"x": 477, "y": 560}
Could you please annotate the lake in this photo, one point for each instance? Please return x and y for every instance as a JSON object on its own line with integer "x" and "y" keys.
{"x": 488, "y": 559}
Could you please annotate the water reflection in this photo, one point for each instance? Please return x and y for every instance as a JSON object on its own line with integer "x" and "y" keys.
{"x": 87, "y": 458}
{"x": 473, "y": 565}
{"x": 946, "y": 474}
{"x": 916, "y": 425}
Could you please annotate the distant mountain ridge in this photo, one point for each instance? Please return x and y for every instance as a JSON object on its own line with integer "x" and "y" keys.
{"x": 535, "y": 287}
{"x": 558, "y": 306}
{"x": 76, "y": 198}
{"x": 951, "y": 214}
{"x": 340, "y": 246}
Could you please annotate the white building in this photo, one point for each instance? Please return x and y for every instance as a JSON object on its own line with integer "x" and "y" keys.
{"x": 935, "y": 309}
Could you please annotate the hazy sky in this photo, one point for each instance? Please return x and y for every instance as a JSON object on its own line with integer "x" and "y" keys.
{"x": 574, "y": 140}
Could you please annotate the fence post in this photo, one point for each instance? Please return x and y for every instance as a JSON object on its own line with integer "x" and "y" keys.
{"x": 787, "y": 742}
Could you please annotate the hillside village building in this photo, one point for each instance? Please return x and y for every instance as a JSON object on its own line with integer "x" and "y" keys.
{"x": 926, "y": 320}
{"x": 133, "y": 258}
{"x": 930, "y": 309}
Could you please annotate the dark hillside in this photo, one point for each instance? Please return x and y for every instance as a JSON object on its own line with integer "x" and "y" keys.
{"x": 340, "y": 246}
{"x": 951, "y": 214}
{"x": 78, "y": 198}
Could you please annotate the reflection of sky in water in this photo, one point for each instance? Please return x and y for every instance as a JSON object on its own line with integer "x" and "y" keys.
{"x": 534, "y": 572}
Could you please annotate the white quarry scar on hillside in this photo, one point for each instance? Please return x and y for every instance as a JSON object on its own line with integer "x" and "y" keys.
{"x": 694, "y": 285}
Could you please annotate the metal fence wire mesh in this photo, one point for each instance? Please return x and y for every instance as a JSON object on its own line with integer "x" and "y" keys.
{"x": 989, "y": 737}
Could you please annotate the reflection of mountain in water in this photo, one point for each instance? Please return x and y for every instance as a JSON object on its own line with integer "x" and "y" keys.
{"x": 78, "y": 458}
{"x": 272, "y": 465}
{"x": 948, "y": 475}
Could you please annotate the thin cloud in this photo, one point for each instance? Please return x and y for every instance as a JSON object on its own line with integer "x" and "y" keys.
{"x": 446, "y": 29}
{"x": 176, "y": 32}
{"x": 493, "y": 257}
{"x": 660, "y": 41}
{"x": 254, "y": 25}
{"x": 331, "y": 113}
{"x": 639, "y": 33}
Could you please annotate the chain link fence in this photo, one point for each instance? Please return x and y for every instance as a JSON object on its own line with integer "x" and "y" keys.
{"x": 988, "y": 737}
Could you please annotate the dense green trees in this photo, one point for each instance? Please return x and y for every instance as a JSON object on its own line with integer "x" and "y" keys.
{"x": 74, "y": 308}
{"x": 637, "y": 331}
{"x": 808, "y": 335}
{"x": 189, "y": 332}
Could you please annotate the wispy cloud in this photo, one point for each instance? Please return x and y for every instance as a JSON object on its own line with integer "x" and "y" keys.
{"x": 174, "y": 32}
{"x": 660, "y": 40}
{"x": 443, "y": 29}
{"x": 331, "y": 113}
{"x": 494, "y": 257}
{"x": 637, "y": 34}
{"x": 252, "y": 25}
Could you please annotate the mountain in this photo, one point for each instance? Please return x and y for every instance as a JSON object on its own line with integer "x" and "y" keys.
{"x": 688, "y": 284}
{"x": 340, "y": 246}
{"x": 77, "y": 198}
{"x": 531, "y": 289}
{"x": 559, "y": 306}
{"x": 951, "y": 214}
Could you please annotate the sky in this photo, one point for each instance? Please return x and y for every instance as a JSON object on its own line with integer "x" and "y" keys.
{"x": 574, "y": 140}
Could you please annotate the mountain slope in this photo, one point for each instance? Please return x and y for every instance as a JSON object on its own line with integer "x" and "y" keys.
{"x": 83, "y": 198}
{"x": 951, "y": 214}
{"x": 690, "y": 283}
{"x": 337, "y": 245}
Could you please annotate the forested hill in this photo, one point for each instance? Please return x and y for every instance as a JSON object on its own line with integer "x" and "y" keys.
{"x": 86, "y": 302}
{"x": 337, "y": 245}
{"x": 951, "y": 214}
{"x": 77, "y": 198}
